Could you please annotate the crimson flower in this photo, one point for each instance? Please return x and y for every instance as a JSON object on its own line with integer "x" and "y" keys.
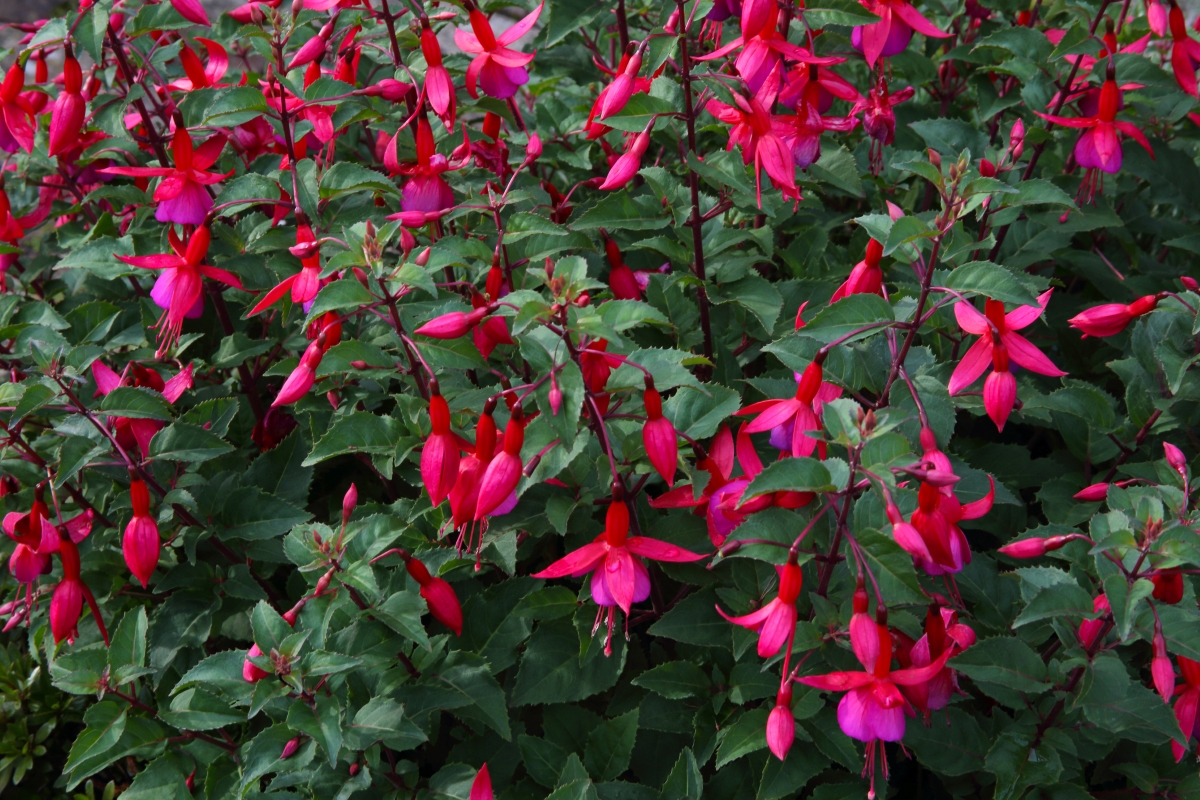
{"x": 798, "y": 413}
{"x": 1089, "y": 629}
{"x": 879, "y": 117}
{"x": 304, "y": 375}
{"x": 498, "y": 485}
{"x": 892, "y": 33}
{"x": 179, "y": 289}
{"x": 181, "y": 196}
{"x": 627, "y": 165}
{"x": 1112, "y": 318}
{"x": 425, "y": 190}
{"x": 440, "y": 454}
{"x": 775, "y": 621}
{"x": 131, "y": 433}
{"x": 1168, "y": 585}
{"x": 35, "y": 540}
{"x": 1187, "y": 704}
{"x": 717, "y": 462}
{"x": 497, "y": 68}
{"x": 66, "y": 604}
{"x": 305, "y": 284}
{"x": 201, "y": 75}
{"x": 932, "y": 535}
{"x": 942, "y": 632}
{"x": 192, "y": 11}
{"x": 614, "y": 559}
{"x": 464, "y": 497}
{"x": 866, "y": 277}
{"x": 1185, "y": 51}
{"x": 613, "y": 97}
{"x": 439, "y": 88}
{"x": 658, "y": 435}
{"x": 16, "y": 116}
{"x": 1099, "y": 147}
{"x": 759, "y": 134}
{"x": 141, "y": 545}
{"x": 491, "y": 331}
{"x": 67, "y": 116}
{"x": 998, "y": 343}
{"x": 873, "y": 708}
{"x": 818, "y": 85}
{"x": 481, "y": 787}
{"x": 438, "y": 595}
{"x": 806, "y": 127}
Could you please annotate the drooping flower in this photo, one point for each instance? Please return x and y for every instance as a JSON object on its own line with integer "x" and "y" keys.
{"x": 717, "y": 462}
{"x": 181, "y": 196}
{"x": 16, "y": 115}
{"x": 129, "y": 432}
{"x": 465, "y": 495}
{"x": 999, "y": 343}
{"x": 492, "y": 331}
{"x": 818, "y": 85}
{"x": 627, "y": 165}
{"x": 503, "y": 472}
{"x": 66, "y": 119}
{"x": 179, "y": 289}
{"x": 1112, "y": 318}
{"x": 759, "y": 134}
{"x": 614, "y": 559}
{"x": 866, "y": 277}
{"x": 499, "y": 70}
{"x": 304, "y": 375}
{"x": 1187, "y": 704}
{"x": 440, "y": 453}
{"x": 438, "y": 594}
{"x": 201, "y": 75}
{"x": 1161, "y": 671}
{"x": 942, "y": 632}
{"x": 658, "y": 435}
{"x": 798, "y": 412}
{"x": 1089, "y": 629}
{"x": 1168, "y": 585}
{"x": 439, "y": 88}
{"x": 35, "y": 540}
{"x": 621, "y": 279}
{"x": 141, "y": 545}
{"x": 1185, "y": 51}
{"x": 892, "y": 33}
{"x": 638, "y": 84}
{"x": 879, "y": 117}
{"x": 1099, "y": 147}
{"x": 66, "y": 604}
{"x": 305, "y": 284}
{"x": 873, "y": 708}
{"x": 775, "y": 621}
{"x": 192, "y": 11}
{"x": 806, "y": 127}
{"x": 781, "y": 723}
{"x": 425, "y": 190}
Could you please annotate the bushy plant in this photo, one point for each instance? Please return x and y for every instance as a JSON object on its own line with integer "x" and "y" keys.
{"x": 609, "y": 400}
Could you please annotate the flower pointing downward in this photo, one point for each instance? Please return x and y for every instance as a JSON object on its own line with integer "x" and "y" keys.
{"x": 775, "y": 621}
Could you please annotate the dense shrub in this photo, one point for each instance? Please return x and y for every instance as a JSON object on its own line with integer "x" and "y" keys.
{"x": 600, "y": 400}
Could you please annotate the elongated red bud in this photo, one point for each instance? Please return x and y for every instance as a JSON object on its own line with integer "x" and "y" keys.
{"x": 452, "y": 325}
{"x": 481, "y": 787}
{"x": 1092, "y": 494}
{"x": 810, "y": 382}
{"x": 349, "y": 502}
{"x": 290, "y": 748}
{"x": 781, "y": 724}
{"x": 1176, "y": 459}
{"x": 1161, "y": 669}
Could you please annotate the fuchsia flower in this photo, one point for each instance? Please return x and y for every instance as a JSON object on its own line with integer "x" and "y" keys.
{"x": 658, "y": 436}
{"x": 304, "y": 375}
{"x": 305, "y": 284}
{"x": 625, "y": 283}
{"x": 1099, "y": 147}
{"x": 759, "y": 134}
{"x": 181, "y": 196}
{"x": 179, "y": 289}
{"x": 1161, "y": 670}
{"x": 481, "y": 787}
{"x": 795, "y": 415}
{"x": 879, "y": 117}
{"x": 762, "y": 49}
{"x": 781, "y": 723}
{"x": 498, "y": 69}
{"x": 1185, "y": 51}
{"x": 425, "y": 190}
{"x": 438, "y": 595}
{"x": 816, "y": 85}
{"x": 998, "y": 343}
{"x": 200, "y": 75}
{"x": 626, "y": 167}
{"x": 614, "y": 559}
{"x": 614, "y": 96}
{"x": 889, "y": 36}
{"x": 1112, "y": 318}
{"x": 717, "y": 462}
{"x": 464, "y": 497}
{"x": 806, "y": 127}
{"x": 873, "y": 708}
{"x": 137, "y": 433}
{"x": 141, "y": 545}
{"x": 192, "y": 11}
{"x": 16, "y": 116}
{"x": 775, "y": 622}
{"x": 1089, "y": 629}
{"x": 502, "y": 474}
{"x": 440, "y": 454}
{"x": 866, "y": 277}
{"x": 35, "y": 540}
{"x": 942, "y": 632}
{"x": 66, "y": 119}
{"x": 439, "y": 88}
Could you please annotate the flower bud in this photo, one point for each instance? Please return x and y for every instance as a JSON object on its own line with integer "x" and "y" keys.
{"x": 452, "y": 325}
{"x": 250, "y": 672}
{"x": 1176, "y": 459}
{"x": 1168, "y": 586}
{"x": 443, "y": 604}
{"x": 481, "y": 787}
{"x": 781, "y": 724}
{"x": 1190, "y": 284}
{"x": 1035, "y": 547}
{"x": 303, "y": 376}
{"x": 290, "y": 748}
{"x": 349, "y": 502}
{"x": 1016, "y": 139}
{"x": 533, "y": 150}
{"x": 1092, "y": 494}
{"x": 986, "y": 168}
{"x": 1161, "y": 668}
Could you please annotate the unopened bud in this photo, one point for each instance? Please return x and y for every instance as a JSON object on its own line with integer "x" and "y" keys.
{"x": 935, "y": 157}
{"x": 672, "y": 25}
{"x": 423, "y": 257}
{"x": 1190, "y": 284}
{"x": 556, "y": 397}
{"x": 1160, "y": 667}
{"x": 354, "y": 768}
{"x": 349, "y": 502}
{"x": 1176, "y": 459}
{"x": 1092, "y": 494}
{"x": 290, "y": 748}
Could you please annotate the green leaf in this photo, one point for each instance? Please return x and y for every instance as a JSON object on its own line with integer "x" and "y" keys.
{"x": 990, "y": 280}
{"x": 197, "y": 709}
{"x": 786, "y": 778}
{"x": 685, "y": 781}
{"x": 674, "y": 680}
{"x": 892, "y": 567}
{"x": 135, "y": 402}
{"x": 697, "y": 414}
{"x": 402, "y": 613}
{"x": 1063, "y": 599}
{"x": 542, "y": 758}
{"x": 346, "y": 177}
{"x": 745, "y": 736}
{"x": 848, "y": 315}
{"x": 357, "y": 432}
{"x": 618, "y": 211}
{"x": 163, "y": 778}
{"x": 1124, "y": 600}
{"x": 346, "y": 293}
{"x": 127, "y": 653}
{"x": 1039, "y": 192}
{"x": 836, "y": 164}
{"x": 270, "y": 629}
{"x": 839, "y": 12}
{"x": 951, "y": 136}
{"x": 610, "y": 746}
{"x": 957, "y": 748}
{"x": 250, "y": 513}
{"x": 791, "y": 475}
{"x": 33, "y": 398}
{"x": 382, "y": 720}
{"x": 183, "y": 442}
{"x": 694, "y": 621}
{"x": 323, "y": 723}
{"x": 96, "y": 746}
{"x": 236, "y": 105}
{"x": 1003, "y": 660}
{"x": 551, "y": 672}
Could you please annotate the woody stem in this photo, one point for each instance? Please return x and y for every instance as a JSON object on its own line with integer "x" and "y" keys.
{"x": 696, "y": 220}
{"x": 914, "y": 326}
{"x": 830, "y": 560}
{"x": 118, "y": 49}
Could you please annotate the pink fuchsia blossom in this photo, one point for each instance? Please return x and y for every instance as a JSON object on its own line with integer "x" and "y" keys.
{"x": 179, "y": 288}
{"x": 133, "y": 433}
{"x": 425, "y": 190}
{"x": 141, "y": 544}
{"x": 891, "y": 34}
{"x": 781, "y": 723}
{"x": 638, "y": 84}
{"x": 800, "y": 412}
{"x": 305, "y": 284}
{"x": 614, "y": 560}
{"x": 439, "y": 88}
{"x": 1186, "y": 704}
{"x": 879, "y": 117}
{"x": 440, "y": 453}
{"x": 627, "y": 165}
{"x": 16, "y": 115}
{"x": 465, "y": 495}
{"x": 1185, "y": 51}
{"x": 817, "y": 85}
{"x": 866, "y": 277}
{"x": 942, "y": 632}
{"x": 481, "y": 787}
{"x": 873, "y": 708}
{"x": 192, "y": 11}
{"x": 717, "y": 462}
{"x": 499, "y": 70}
{"x": 304, "y": 375}
{"x": 201, "y": 75}
{"x": 806, "y": 127}
{"x": 438, "y": 595}
{"x": 35, "y": 540}
{"x": 1036, "y": 547}
{"x": 181, "y": 196}
{"x": 1112, "y": 318}
{"x": 999, "y": 343}
{"x": 775, "y": 622}
{"x": 760, "y": 136}
{"x": 1090, "y": 629}
{"x": 762, "y": 51}
{"x": 71, "y": 593}
{"x": 658, "y": 436}
{"x": 1161, "y": 670}
{"x": 502, "y": 474}
{"x": 67, "y": 116}
{"x": 1099, "y": 147}
{"x": 942, "y": 547}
